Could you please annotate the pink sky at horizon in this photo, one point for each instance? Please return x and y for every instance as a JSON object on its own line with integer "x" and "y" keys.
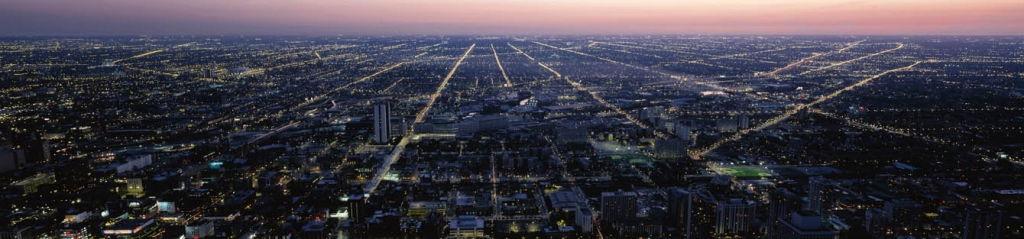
{"x": 329, "y": 17}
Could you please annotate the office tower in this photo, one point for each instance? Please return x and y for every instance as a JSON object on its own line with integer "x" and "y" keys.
{"x": 356, "y": 207}
{"x": 782, "y": 203}
{"x": 743, "y": 121}
{"x": 680, "y": 210}
{"x": 618, "y": 206}
{"x": 211, "y": 72}
{"x": 433, "y": 226}
{"x": 10, "y": 158}
{"x": 819, "y": 195}
{"x": 382, "y": 123}
{"x": 734, "y": 216}
{"x": 670, "y": 148}
{"x": 726, "y": 125}
{"x": 682, "y": 130}
{"x": 982, "y": 223}
{"x": 584, "y": 218}
{"x": 876, "y": 223}
{"x": 47, "y": 148}
{"x": 904, "y": 214}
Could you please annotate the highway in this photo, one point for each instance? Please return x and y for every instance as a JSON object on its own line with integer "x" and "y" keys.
{"x": 521, "y": 52}
{"x": 796, "y": 64}
{"x": 697, "y": 153}
{"x": 508, "y": 83}
{"x": 899, "y": 46}
{"x": 153, "y": 52}
{"x": 324, "y": 95}
{"x": 812, "y": 58}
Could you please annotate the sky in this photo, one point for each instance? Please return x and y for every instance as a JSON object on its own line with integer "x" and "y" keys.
{"x": 502, "y": 17}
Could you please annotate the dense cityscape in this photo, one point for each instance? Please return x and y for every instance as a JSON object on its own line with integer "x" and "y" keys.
{"x": 660, "y": 136}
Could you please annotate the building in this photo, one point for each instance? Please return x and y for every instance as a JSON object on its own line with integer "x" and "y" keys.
{"x": 781, "y": 204}
{"x": 819, "y": 195}
{"x": 382, "y": 123}
{"x": 903, "y": 215}
{"x": 670, "y": 148}
{"x": 466, "y": 226}
{"x": 419, "y": 209}
{"x": 75, "y": 216}
{"x": 199, "y": 229}
{"x": 17, "y": 233}
{"x": 133, "y": 229}
{"x": 743, "y": 121}
{"x": 315, "y": 229}
{"x": 433, "y": 226}
{"x": 573, "y": 135}
{"x": 680, "y": 210}
{"x": 876, "y": 223}
{"x": 585, "y": 218}
{"x": 618, "y": 206}
{"x": 73, "y": 231}
{"x": 805, "y": 225}
{"x": 982, "y": 223}
{"x": 11, "y": 159}
{"x": 563, "y": 200}
{"x": 72, "y": 176}
{"x": 135, "y": 162}
{"x": 31, "y": 185}
{"x": 356, "y": 207}
{"x": 399, "y": 126}
{"x": 142, "y": 208}
{"x": 135, "y": 188}
{"x": 726, "y": 125}
{"x": 211, "y": 72}
{"x": 734, "y": 216}
{"x": 682, "y": 130}
{"x": 640, "y": 229}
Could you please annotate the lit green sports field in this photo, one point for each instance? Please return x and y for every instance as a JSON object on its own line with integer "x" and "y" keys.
{"x": 744, "y": 171}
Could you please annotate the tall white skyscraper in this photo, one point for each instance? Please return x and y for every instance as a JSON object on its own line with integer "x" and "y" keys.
{"x": 382, "y": 123}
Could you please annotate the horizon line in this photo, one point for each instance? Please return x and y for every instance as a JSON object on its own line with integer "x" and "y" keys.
{"x": 510, "y": 35}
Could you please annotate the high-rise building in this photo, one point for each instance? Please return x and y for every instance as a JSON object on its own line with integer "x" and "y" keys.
{"x": 743, "y": 121}
{"x": 618, "y": 206}
{"x": 584, "y": 218}
{"x": 47, "y": 148}
{"x": 734, "y": 216}
{"x": 680, "y": 210}
{"x": 819, "y": 195}
{"x": 682, "y": 130}
{"x": 726, "y": 125}
{"x": 702, "y": 223}
{"x": 904, "y": 214}
{"x": 382, "y": 123}
{"x": 670, "y": 148}
{"x": 982, "y": 223}
{"x": 876, "y": 223}
{"x": 11, "y": 158}
{"x": 356, "y": 207}
{"x": 781, "y": 204}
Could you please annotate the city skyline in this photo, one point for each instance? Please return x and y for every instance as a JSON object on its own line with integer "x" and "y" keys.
{"x": 501, "y": 17}
{"x": 501, "y": 119}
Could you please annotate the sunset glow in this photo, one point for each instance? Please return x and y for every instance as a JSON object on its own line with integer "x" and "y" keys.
{"x": 322, "y": 17}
